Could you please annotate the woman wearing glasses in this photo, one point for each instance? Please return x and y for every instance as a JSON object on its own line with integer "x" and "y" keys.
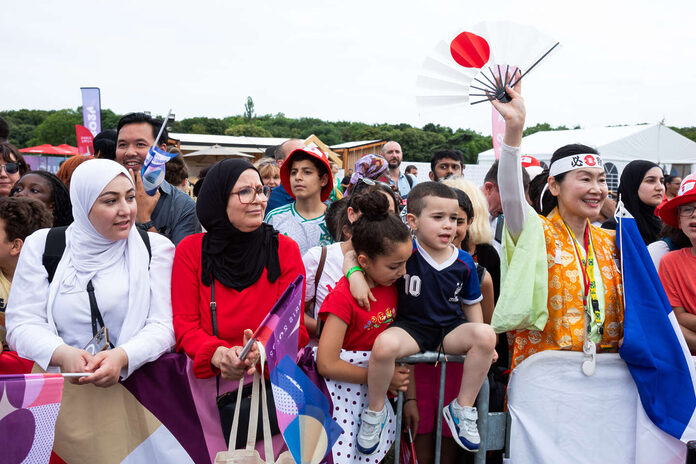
{"x": 12, "y": 167}
{"x": 678, "y": 268}
{"x": 240, "y": 263}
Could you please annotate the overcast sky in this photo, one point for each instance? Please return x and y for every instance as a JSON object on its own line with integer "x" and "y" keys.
{"x": 621, "y": 62}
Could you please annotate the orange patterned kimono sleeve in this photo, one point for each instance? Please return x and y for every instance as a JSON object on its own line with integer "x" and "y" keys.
{"x": 565, "y": 329}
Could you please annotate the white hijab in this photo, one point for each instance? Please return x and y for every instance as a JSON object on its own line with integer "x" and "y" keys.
{"x": 87, "y": 251}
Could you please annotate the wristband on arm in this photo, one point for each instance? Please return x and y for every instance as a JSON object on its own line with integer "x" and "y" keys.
{"x": 352, "y": 270}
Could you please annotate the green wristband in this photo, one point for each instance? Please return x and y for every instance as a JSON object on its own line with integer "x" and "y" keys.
{"x": 352, "y": 270}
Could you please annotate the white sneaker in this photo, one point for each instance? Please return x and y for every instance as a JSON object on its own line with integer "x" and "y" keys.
{"x": 462, "y": 423}
{"x": 370, "y": 433}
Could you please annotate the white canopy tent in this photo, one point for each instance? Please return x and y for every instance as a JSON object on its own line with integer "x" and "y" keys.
{"x": 617, "y": 145}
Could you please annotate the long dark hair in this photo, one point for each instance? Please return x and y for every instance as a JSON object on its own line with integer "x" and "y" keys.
{"x": 675, "y": 238}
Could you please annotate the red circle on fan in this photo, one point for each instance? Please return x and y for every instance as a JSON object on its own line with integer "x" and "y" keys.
{"x": 590, "y": 160}
{"x": 470, "y": 50}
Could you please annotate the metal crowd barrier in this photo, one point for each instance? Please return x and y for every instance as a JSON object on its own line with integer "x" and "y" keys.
{"x": 493, "y": 426}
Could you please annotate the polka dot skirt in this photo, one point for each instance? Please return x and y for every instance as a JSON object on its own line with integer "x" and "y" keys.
{"x": 349, "y": 400}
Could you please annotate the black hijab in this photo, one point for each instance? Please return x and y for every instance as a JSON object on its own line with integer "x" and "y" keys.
{"x": 235, "y": 258}
{"x": 648, "y": 223}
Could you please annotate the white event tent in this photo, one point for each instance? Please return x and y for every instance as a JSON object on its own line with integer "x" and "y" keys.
{"x": 617, "y": 145}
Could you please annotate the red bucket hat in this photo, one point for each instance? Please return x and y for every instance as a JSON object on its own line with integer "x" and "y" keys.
{"x": 686, "y": 194}
{"x": 528, "y": 161}
{"x": 316, "y": 153}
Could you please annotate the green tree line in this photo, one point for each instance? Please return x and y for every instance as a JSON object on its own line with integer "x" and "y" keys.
{"x": 36, "y": 127}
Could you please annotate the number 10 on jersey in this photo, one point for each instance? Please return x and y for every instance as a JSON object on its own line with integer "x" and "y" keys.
{"x": 412, "y": 285}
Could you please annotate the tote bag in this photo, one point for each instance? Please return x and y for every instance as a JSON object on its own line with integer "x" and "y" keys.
{"x": 249, "y": 455}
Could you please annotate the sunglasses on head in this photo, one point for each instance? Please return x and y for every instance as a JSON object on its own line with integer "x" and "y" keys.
{"x": 10, "y": 168}
{"x": 368, "y": 181}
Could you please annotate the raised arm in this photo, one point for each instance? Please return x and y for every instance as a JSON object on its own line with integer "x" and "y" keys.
{"x": 512, "y": 196}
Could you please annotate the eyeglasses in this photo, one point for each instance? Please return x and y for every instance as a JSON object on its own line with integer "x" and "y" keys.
{"x": 686, "y": 211}
{"x": 10, "y": 168}
{"x": 248, "y": 194}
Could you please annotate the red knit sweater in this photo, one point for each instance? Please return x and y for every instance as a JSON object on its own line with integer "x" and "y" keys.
{"x": 236, "y": 311}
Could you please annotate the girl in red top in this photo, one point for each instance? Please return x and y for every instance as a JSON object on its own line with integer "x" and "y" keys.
{"x": 382, "y": 244}
{"x": 677, "y": 268}
{"x": 247, "y": 262}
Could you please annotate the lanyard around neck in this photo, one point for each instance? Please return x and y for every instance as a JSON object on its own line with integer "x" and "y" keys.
{"x": 588, "y": 276}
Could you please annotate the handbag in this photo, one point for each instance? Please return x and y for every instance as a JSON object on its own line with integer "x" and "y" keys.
{"x": 249, "y": 455}
{"x": 310, "y": 306}
{"x": 227, "y": 403}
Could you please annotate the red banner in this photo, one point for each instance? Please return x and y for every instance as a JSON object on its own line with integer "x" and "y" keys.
{"x": 84, "y": 140}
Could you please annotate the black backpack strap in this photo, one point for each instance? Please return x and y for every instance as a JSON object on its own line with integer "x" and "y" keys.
{"x": 409, "y": 179}
{"x": 53, "y": 251}
{"x": 146, "y": 239}
{"x": 55, "y": 246}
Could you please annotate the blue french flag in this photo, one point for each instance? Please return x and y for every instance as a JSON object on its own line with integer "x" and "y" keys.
{"x": 154, "y": 168}
{"x": 653, "y": 347}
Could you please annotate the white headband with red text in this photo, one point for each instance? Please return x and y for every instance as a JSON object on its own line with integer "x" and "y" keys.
{"x": 573, "y": 162}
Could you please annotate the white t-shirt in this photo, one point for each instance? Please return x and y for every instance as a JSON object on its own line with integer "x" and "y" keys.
{"x": 657, "y": 251}
{"x": 494, "y": 225}
{"x": 307, "y": 233}
{"x": 332, "y": 272}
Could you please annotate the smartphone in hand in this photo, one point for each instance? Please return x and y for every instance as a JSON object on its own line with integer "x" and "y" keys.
{"x": 99, "y": 342}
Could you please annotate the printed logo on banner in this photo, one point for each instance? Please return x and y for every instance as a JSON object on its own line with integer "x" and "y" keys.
{"x": 91, "y": 109}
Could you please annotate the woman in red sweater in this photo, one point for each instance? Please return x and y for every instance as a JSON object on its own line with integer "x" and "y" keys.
{"x": 247, "y": 263}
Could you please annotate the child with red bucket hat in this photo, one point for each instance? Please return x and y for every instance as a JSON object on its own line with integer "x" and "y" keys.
{"x": 678, "y": 268}
{"x": 306, "y": 176}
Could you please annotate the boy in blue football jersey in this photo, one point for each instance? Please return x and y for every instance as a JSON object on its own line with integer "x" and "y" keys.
{"x": 438, "y": 309}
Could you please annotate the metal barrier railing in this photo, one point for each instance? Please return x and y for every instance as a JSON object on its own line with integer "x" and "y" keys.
{"x": 493, "y": 427}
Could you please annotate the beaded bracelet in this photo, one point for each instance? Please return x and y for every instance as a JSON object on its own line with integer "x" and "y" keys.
{"x": 352, "y": 270}
{"x": 410, "y": 399}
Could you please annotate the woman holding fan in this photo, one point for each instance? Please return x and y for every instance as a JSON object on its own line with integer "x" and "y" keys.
{"x": 560, "y": 269}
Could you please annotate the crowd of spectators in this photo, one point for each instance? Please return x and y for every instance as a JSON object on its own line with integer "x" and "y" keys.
{"x": 392, "y": 266}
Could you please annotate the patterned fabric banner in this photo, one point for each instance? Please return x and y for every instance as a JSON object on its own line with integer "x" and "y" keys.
{"x": 29, "y": 405}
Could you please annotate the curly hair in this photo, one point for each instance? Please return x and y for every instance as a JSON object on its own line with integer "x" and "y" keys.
{"x": 23, "y": 216}
{"x": 68, "y": 167}
{"x": 62, "y": 207}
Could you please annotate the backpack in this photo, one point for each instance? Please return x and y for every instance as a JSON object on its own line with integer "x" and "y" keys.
{"x": 409, "y": 179}
{"x": 55, "y": 246}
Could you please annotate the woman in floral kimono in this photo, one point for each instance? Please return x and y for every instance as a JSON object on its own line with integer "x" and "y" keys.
{"x": 561, "y": 286}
